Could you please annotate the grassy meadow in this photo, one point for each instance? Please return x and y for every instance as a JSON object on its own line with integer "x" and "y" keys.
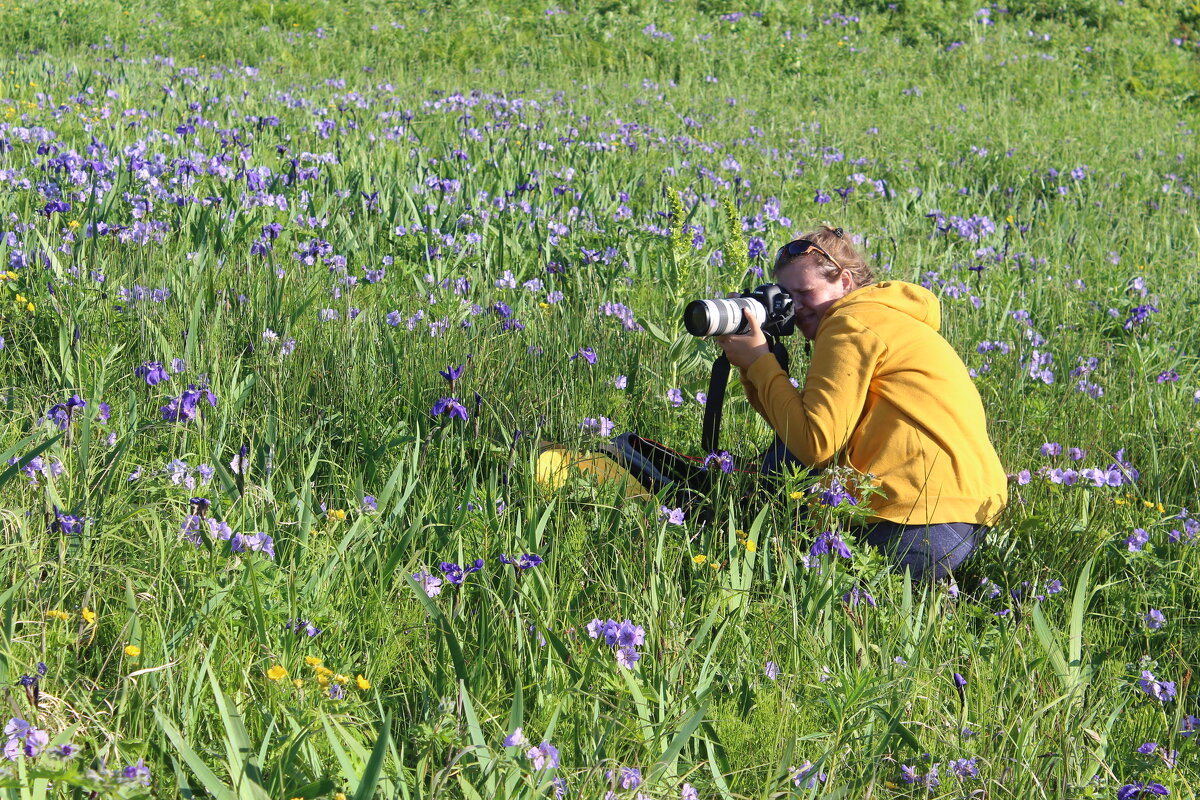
{"x": 290, "y": 292}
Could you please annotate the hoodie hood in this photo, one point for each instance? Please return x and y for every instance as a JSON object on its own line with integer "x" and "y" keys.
{"x": 907, "y": 298}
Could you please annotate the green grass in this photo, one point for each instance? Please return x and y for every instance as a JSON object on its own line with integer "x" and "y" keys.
{"x": 565, "y": 112}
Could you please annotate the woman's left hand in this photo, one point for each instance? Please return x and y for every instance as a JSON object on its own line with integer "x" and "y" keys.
{"x": 742, "y": 351}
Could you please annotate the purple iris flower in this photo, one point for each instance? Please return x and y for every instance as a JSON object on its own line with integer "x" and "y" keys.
{"x": 587, "y": 354}
{"x": 457, "y": 574}
{"x": 452, "y": 373}
{"x": 526, "y": 560}
{"x": 1162, "y": 691}
{"x": 829, "y": 542}
{"x": 451, "y": 407}
{"x": 254, "y": 542}
{"x": 153, "y": 372}
{"x": 1134, "y": 791}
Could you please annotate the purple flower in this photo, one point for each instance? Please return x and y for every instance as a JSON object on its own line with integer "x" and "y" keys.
{"x": 457, "y": 574}
{"x": 1162, "y": 691}
{"x": 526, "y": 561}
{"x": 771, "y": 670}
{"x": 1137, "y": 540}
{"x": 835, "y": 494}
{"x": 451, "y": 407}
{"x": 806, "y": 776}
{"x": 452, "y": 373}
{"x": 186, "y": 407}
{"x": 1133, "y": 791}
{"x": 153, "y": 372}
{"x": 254, "y": 542}
{"x": 964, "y": 768}
{"x": 959, "y": 680}
{"x": 829, "y": 542}
{"x": 675, "y": 397}
{"x": 1147, "y": 748}
{"x": 627, "y": 657}
{"x": 620, "y": 381}
{"x": 135, "y": 773}
{"x": 858, "y": 595}
{"x": 724, "y": 460}
{"x": 587, "y": 354}
{"x": 337, "y": 691}
{"x": 516, "y": 738}
{"x": 673, "y": 516}
{"x": 430, "y": 584}
{"x": 544, "y": 756}
{"x": 627, "y": 777}
{"x": 1154, "y": 619}
{"x": 1051, "y": 449}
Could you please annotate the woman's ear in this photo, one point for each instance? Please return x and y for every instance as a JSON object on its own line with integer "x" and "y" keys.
{"x": 847, "y": 281}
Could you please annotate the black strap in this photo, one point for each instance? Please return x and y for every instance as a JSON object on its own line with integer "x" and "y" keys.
{"x": 713, "y": 404}
{"x": 717, "y": 381}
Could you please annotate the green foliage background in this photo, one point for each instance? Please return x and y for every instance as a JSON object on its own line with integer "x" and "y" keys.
{"x": 951, "y": 113}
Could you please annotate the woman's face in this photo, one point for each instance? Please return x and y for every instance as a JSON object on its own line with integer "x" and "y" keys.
{"x": 812, "y": 294}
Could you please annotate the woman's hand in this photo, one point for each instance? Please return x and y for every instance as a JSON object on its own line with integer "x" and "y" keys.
{"x": 742, "y": 351}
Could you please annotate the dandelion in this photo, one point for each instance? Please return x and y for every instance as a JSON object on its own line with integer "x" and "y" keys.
{"x": 277, "y": 673}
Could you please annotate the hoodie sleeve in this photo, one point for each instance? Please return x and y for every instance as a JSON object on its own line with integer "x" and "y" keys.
{"x": 816, "y": 422}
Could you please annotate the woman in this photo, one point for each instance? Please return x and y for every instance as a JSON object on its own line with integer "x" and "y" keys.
{"x": 884, "y": 394}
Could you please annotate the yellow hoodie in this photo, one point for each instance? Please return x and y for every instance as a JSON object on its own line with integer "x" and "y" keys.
{"x": 886, "y": 394}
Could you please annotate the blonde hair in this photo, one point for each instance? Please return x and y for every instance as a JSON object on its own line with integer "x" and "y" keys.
{"x": 845, "y": 257}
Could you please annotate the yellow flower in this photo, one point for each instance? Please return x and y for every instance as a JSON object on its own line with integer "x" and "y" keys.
{"x": 89, "y": 616}
{"x": 700, "y": 559}
{"x": 132, "y": 650}
{"x": 1161, "y": 510}
{"x": 797, "y": 495}
{"x": 29, "y": 307}
{"x": 1009, "y": 219}
{"x": 1148, "y": 504}
{"x": 58, "y": 615}
{"x": 12, "y": 276}
{"x": 336, "y": 515}
{"x": 21, "y": 299}
{"x": 751, "y": 547}
{"x": 297, "y": 682}
{"x": 312, "y": 661}
{"x": 715, "y": 565}
{"x": 324, "y": 672}
{"x": 340, "y": 678}
{"x": 73, "y": 223}
{"x": 277, "y": 673}
{"x": 340, "y": 796}
{"x": 740, "y": 534}
{"x": 363, "y": 683}
{"x": 323, "y": 680}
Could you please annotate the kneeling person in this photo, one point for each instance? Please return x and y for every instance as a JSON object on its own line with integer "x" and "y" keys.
{"x": 884, "y": 394}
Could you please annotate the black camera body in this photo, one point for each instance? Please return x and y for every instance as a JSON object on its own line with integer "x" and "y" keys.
{"x": 770, "y": 303}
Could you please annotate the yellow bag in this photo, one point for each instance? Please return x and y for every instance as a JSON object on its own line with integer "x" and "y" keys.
{"x": 556, "y": 464}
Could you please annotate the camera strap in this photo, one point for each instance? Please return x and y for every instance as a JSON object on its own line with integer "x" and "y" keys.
{"x": 718, "y": 379}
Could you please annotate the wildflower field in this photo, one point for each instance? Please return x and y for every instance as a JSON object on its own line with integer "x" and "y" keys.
{"x": 291, "y": 291}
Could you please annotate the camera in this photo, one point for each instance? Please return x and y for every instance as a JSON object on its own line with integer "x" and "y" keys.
{"x": 770, "y": 304}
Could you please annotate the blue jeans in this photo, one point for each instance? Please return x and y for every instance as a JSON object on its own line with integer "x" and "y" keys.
{"x": 928, "y": 551}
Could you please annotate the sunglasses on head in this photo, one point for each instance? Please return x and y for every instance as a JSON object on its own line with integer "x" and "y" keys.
{"x": 802, "y": 247}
